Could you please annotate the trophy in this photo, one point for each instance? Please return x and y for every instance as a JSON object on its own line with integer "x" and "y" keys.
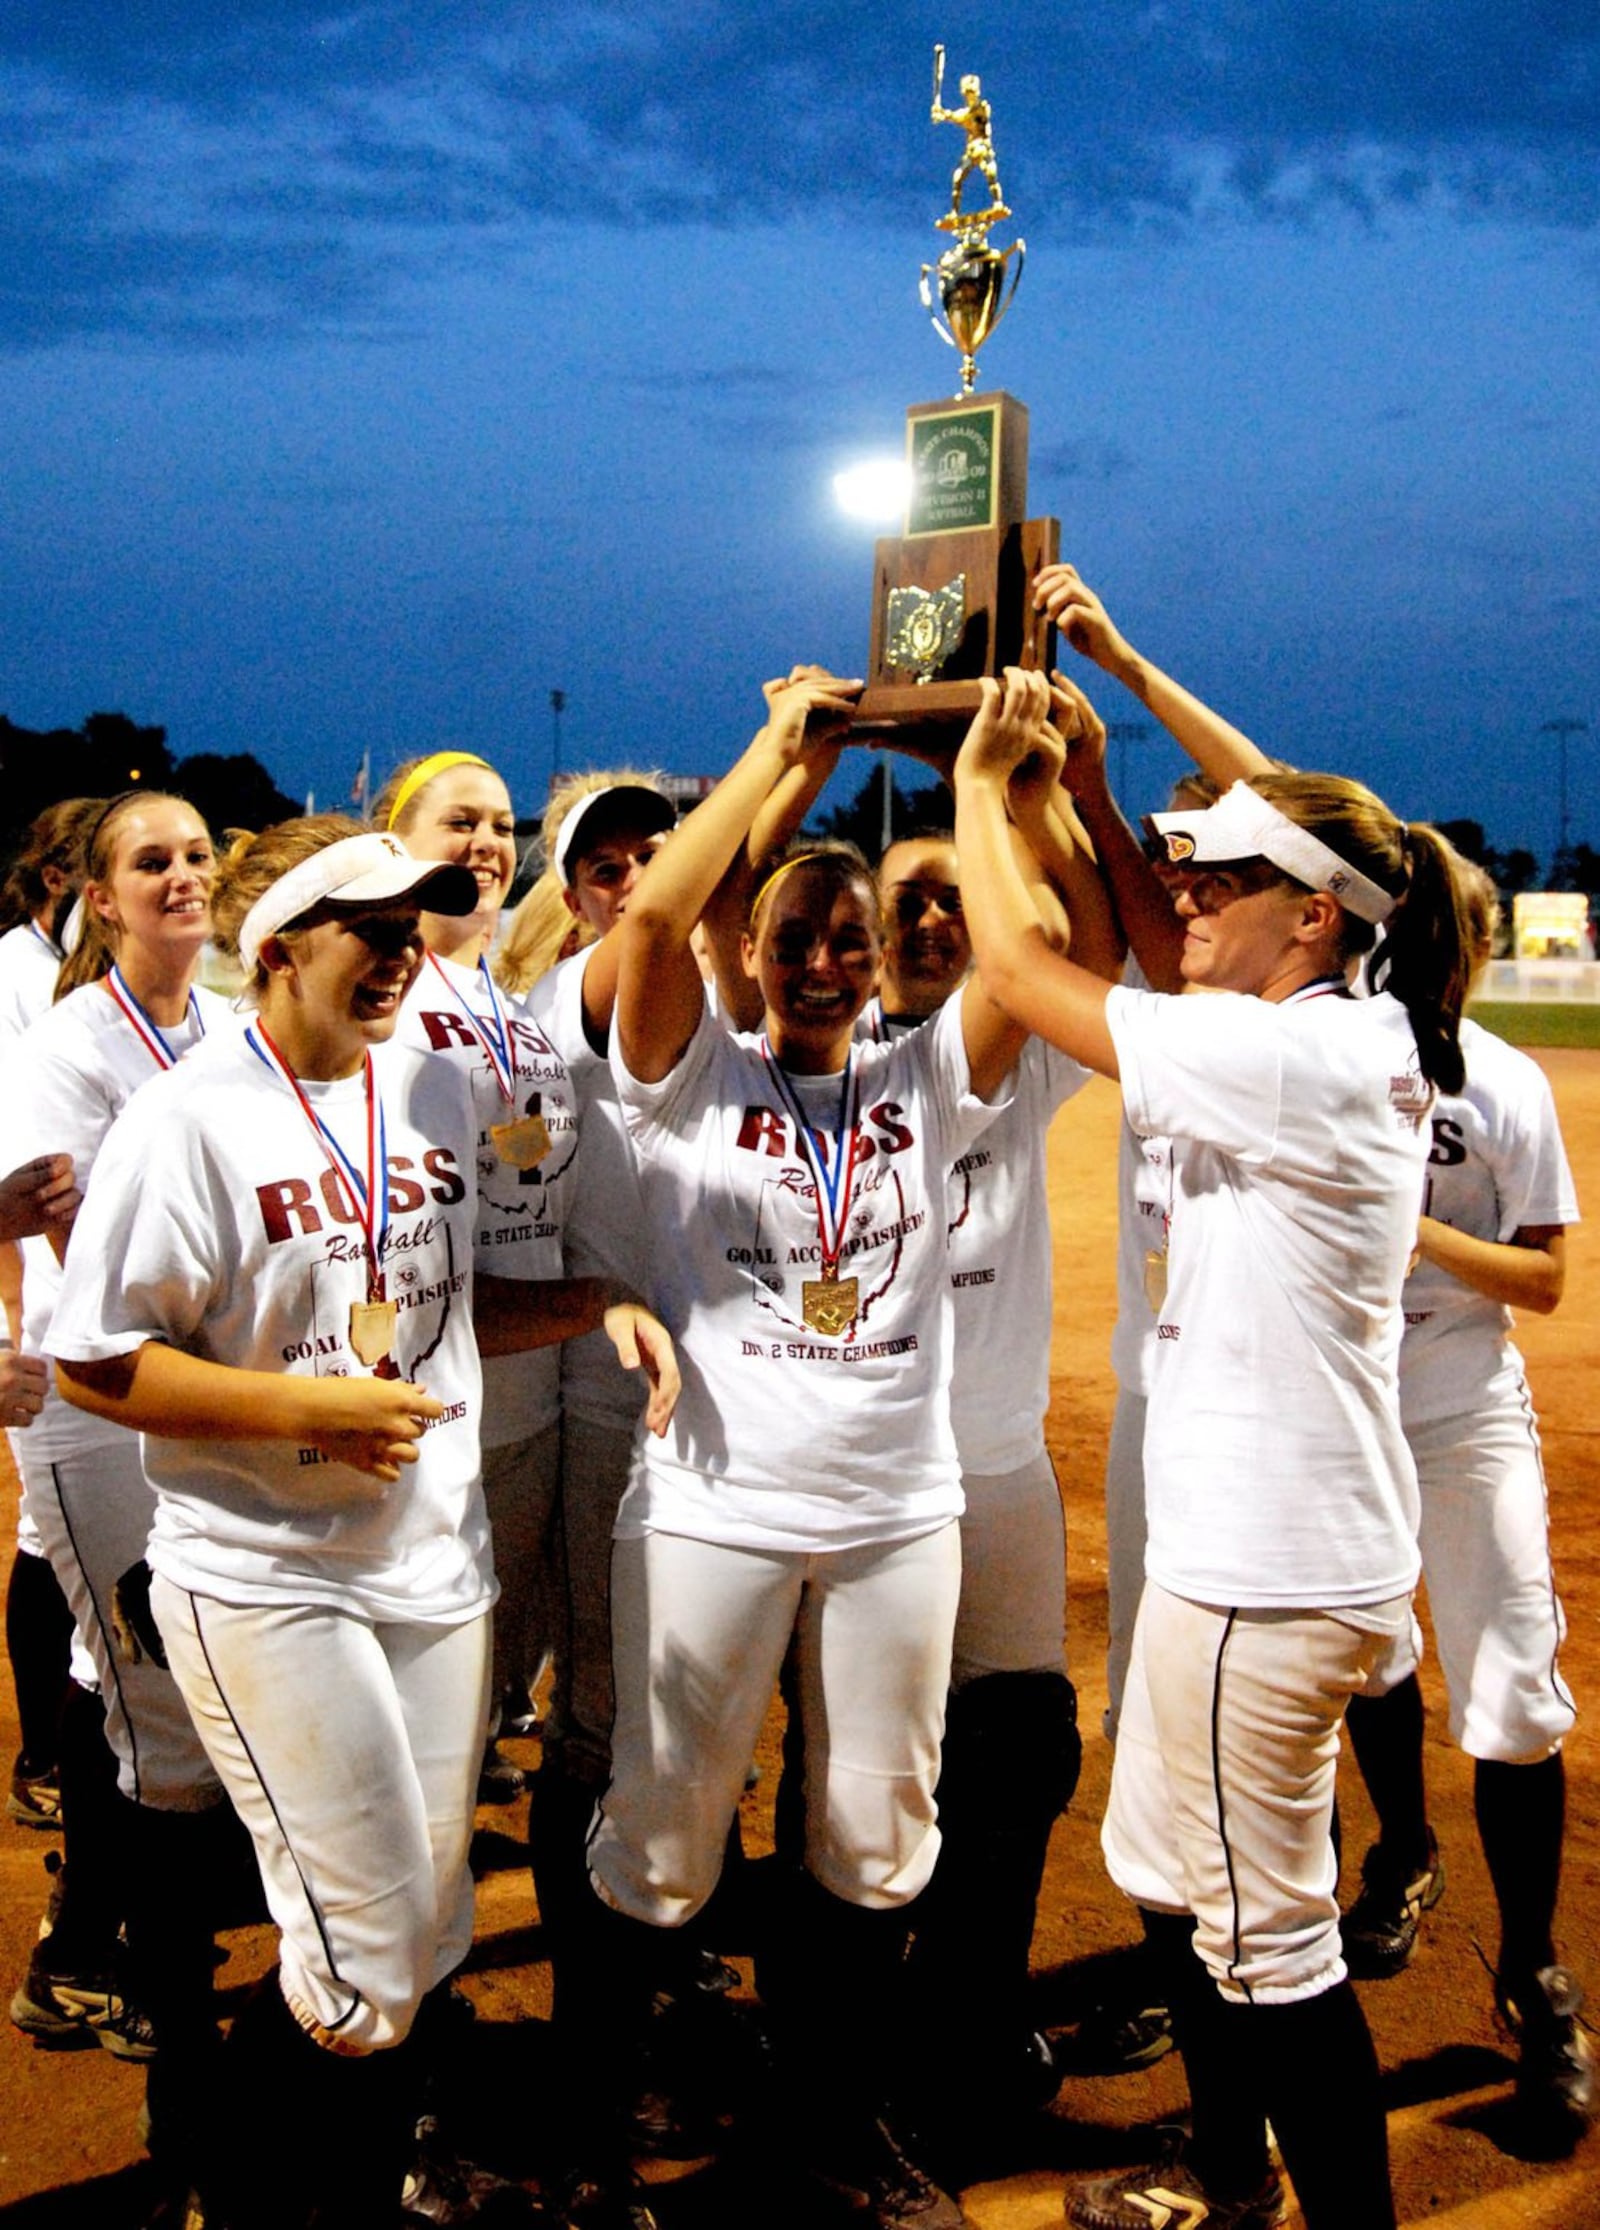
{"x": 953, "y": 595}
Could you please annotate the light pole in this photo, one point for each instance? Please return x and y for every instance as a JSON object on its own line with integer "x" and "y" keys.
{"x": 558, "y": 705}
{"x": 1561, "y": 730}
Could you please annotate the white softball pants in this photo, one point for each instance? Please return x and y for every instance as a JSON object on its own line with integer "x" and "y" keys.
{"x": 521, "y": 1491}
{"x": 93, "y": 1514}
{"x": 700, "y": 1632}
{"x": 1013, "y": 1614}
{"x": 1125, "y": 1539}
{"x": 1497, "y": 1619}
{"x": 596, "y": 1460}
{"x": 351, "y": 1753}
{"x": 1222, "y": 1789}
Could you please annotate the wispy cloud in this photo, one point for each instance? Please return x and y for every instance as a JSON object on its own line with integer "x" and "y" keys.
{"x": 198, "y": 172}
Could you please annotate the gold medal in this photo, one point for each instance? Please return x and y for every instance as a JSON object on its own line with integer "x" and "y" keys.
{"x": 372, "y": 1329}
{"x": 829, "y": 1305}
{"x": 523, "y": 1143}
{"x": 1155, "y": 1281}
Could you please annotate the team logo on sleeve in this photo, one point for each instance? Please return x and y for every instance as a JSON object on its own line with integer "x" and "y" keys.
{"x": 1411, "y": 1096}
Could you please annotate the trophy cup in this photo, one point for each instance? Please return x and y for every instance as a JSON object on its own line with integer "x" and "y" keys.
{"x": 953, "y": 595}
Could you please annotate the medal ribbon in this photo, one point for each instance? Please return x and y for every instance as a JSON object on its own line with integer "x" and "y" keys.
{"x": 368, "y": 1196}
{"x": 149, "y": 1033}
{"x": 833, "y": 1185}
{"x": 495, "y": 1037}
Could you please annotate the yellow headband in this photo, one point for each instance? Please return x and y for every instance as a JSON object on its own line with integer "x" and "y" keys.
{"x": 799, "y": 859}
{"x": 424, "y": 772}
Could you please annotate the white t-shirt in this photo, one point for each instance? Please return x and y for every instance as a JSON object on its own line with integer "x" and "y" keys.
{"x": 1147, "y": 1178}
{"x": 1276, "y": 1472}
{"x": 29, "y": 965}
{"x": 1496, "y": 1164}
{"x": 605, "y": 1218}
{"x": 520, "y": 1211}
{"x": 1000, "y": 1260}
{"x": 785, "y": 1437}
{"x": 1000, "y": 1270}
{"x": 1146, "y": 1182}
{"x": 214, "y": 1223}
{"x": 69, "y": 1077}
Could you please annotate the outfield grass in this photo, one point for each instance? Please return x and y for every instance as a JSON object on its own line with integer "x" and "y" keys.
{"x": 1540, "y": 1021}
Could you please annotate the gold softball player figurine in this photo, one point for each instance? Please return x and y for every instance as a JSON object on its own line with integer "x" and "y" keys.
{"x": 978, "y": 154}
{"x": 970, "y": 275}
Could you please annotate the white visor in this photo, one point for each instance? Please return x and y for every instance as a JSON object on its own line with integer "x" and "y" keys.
{"x": 368, "y": 870}
{"x": 1243, "y": 825}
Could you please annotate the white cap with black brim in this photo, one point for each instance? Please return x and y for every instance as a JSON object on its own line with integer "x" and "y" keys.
{"x": 630, "y": 803}
{"x": 358, "y": 872}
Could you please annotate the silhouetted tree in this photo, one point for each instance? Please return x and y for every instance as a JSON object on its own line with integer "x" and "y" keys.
{"x": 1576, "y": 868}
{"x": 913, "y": 804}
{"x": 107, "y": 754}
{"x": 232, "y": 792}
{"x": 1468, "y": 839}
{"x": 1513, "y": 870}
{"x": 118, "y": 754}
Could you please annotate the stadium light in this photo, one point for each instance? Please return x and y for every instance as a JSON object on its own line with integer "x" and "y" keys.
{"x": 874, "y": 490}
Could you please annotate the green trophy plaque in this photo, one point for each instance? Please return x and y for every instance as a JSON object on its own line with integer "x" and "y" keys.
{"x": 953, "y": 594}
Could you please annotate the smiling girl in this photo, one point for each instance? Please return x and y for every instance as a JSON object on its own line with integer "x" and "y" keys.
{"x": 278, "y": 1290}
{"x": 793, "y": 1188}
{"x": 1282, "y": 1500}
{"x": 453, "y": 807}
{"x": 127, "y": 1010}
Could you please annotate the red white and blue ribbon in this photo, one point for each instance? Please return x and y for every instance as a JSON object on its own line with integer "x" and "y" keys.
{"x": 150, "y": 1033}
{"x": 495, "y": 1034}
{"x": 367, "y": 1195}
{"x": 834, "y": 1179}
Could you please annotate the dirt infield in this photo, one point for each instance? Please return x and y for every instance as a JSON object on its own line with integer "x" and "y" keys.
{"x": 68, "y": 2134}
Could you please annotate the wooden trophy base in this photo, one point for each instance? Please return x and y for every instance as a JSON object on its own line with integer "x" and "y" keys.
{"x": 1000, "y": 565}
{"x": 968, "y": 464}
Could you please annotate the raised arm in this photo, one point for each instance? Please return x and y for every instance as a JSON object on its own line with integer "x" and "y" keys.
{"x": 1142, "y": 903}
{"x": 1218, "y": 749}
{"x": 776, "y": 823}
{"x": 1042, "y": 808}
{"x": 659, "y": 990}
{"x": 1041, "y": 989}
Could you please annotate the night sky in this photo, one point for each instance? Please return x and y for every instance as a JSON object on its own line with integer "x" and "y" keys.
{"x": 365, "y": 375}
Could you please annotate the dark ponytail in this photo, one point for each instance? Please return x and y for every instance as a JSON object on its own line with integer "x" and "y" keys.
{"x": 1427, "y": 943}
{"x": 1430, "y": 948}
{"x": 55, "y": 839}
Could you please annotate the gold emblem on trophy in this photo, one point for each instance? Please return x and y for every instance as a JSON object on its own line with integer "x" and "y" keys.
{"x": 924, "y": 627}
{"x": 953, "y": 594}
{"x": 970, "y": 275}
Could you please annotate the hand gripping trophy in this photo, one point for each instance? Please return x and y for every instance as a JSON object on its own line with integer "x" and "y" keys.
{"x": 952, "y": 597}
